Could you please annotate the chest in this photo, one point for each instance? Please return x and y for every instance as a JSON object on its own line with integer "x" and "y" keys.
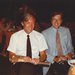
{"x": 22, "y": 43}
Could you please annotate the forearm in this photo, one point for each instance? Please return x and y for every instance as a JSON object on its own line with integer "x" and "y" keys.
{"x": 63, "y": 57}
{"x": 42, "y": 56}
{"x": 15, "y": 58}
{"x": 69, "y": 55}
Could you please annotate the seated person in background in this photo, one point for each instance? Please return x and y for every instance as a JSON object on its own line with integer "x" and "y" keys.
{"x": 2, "y": 35}
{"x": 60, "y": 47}
{"x": 24, "y": 63}
{"x": 5, "y": 65}
{"x": 6, "y": 30}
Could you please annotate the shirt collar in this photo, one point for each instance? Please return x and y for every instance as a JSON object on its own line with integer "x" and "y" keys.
{"x": 56, "y": 29}
{"x": 27, "y": 34}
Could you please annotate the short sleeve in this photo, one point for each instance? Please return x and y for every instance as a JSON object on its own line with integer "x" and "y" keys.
{"x": 43, "y": 44}
{"x": 12, "y": 44}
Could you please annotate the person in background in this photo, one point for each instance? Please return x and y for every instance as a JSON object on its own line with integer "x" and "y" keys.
{"x": 2, "y": 35}
{"x": 23, "y": 63}
{"x": 60, "y": 47}
{"x": 5, "y": 65}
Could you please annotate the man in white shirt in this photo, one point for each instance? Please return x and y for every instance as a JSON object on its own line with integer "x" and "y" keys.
{"x": 24, "y": 64}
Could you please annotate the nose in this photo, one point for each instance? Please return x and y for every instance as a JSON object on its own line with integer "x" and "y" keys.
{"x": 56, "y": 22}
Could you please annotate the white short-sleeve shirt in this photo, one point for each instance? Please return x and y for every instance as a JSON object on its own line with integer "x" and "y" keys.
{"x": 18, "y": 43}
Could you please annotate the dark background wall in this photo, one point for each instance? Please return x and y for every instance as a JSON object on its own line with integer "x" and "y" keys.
{"x": 43, "y": 8}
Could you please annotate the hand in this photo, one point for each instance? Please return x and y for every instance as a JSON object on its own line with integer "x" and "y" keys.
{"x": 27, "y": 59}
{"x": 35, "y": 61}
{"x": 13, "y": 59}
{"x": 57, "y": 59}
{"x": 69, "y": 56}
{"x": 63, "y": 58}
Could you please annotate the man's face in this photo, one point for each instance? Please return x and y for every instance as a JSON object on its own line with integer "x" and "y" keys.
{"x": 56, "y": 21}
{"x": 29, "y": 24}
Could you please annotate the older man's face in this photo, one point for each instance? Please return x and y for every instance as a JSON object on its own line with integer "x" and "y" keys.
{"x": 29, "y": 24}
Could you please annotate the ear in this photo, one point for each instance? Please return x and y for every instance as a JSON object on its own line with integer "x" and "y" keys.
{"x": 22, "y": 24}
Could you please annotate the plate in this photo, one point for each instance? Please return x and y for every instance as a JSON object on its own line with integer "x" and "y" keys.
{"x": 71, "y": 62}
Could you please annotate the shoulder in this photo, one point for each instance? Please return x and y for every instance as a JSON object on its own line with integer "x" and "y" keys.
{"x": 37, "y": 34}
{"x": 17, "y": 34}
{"x": 47, "y": 31}
{"x": 64, "y": 28}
